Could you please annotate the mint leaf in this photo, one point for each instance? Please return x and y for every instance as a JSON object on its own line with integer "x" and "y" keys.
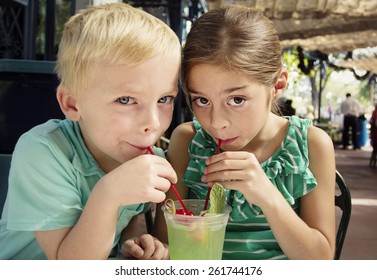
{"x": 216, "y": 199}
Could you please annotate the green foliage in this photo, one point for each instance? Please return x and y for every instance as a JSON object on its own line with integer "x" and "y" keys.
{"x": 291, "y": 61}
{"x": 336, "y": 81}
{"x": 63, "y": 13}
{"x": 365, "y": 91}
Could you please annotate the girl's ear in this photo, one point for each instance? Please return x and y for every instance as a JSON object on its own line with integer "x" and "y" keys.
{"x": 67, "y": 103}
{"x": 281, "y": 84}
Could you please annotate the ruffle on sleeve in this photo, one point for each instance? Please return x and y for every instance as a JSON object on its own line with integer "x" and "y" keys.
{"x": 288, "y": 170}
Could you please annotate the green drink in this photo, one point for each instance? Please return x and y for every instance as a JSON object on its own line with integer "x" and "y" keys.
{"x": 196, "y": 237}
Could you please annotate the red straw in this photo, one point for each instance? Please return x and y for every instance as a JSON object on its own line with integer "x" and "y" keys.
{"x": 218, "y": 146}
{"x": 209, "y": 188}
{"x": 186, "y": 211}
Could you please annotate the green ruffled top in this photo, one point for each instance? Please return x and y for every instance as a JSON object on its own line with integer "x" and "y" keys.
{"x": 248, "y": 234}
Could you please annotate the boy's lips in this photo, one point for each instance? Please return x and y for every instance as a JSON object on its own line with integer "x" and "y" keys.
{"x": 141, "y": 148}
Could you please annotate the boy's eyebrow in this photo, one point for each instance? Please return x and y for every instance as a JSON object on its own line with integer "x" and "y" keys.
{"x": 172, "y": 90}
{"x": 135, "y": 91}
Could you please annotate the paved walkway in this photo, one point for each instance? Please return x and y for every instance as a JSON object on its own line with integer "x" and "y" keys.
{"x": 361, "y": 238}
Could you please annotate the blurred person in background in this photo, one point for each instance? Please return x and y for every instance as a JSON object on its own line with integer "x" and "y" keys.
{"x": 351, "y": 109}
{"x": 310, "y": 112}
{"x": 373, "y": 136}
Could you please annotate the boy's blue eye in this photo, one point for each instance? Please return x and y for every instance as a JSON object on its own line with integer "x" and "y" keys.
{"x": 125, "y": 100}
{"x": 166, "y": 99}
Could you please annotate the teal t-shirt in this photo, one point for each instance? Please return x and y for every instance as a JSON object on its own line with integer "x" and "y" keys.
{"x": 51, "y": 177}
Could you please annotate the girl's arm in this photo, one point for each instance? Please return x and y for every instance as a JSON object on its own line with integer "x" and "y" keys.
{"x": 312, "y": 236}
{"x": 179, "y": 158}
{"x": 308, "y": 236}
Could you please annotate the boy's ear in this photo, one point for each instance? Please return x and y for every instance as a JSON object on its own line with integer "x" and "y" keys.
{"x": 281, "y": 84}
{"x": 67, "y": 103}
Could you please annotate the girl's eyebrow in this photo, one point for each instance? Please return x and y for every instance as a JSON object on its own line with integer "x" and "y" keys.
{"x": 193, "y": 91}
{"x": 230, "y": 90}
{"x": 227, "y": 91}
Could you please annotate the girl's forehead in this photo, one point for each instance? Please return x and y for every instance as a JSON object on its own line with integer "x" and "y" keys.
{"x": 209, "y": 76}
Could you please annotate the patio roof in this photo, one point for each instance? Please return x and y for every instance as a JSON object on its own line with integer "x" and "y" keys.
{"x": 328, "y": 26}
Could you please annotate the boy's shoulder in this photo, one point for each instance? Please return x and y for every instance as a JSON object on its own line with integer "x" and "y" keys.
{"x": 57, "y": 142}
{"x": 54, "y": 135}
{"x": 45, "y": 128}
{"x": 53, "y": 128}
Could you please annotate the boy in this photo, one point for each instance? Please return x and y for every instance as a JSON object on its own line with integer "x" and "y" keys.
{"x": 75, "y": 184}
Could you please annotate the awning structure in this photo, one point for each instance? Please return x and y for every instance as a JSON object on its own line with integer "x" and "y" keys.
{"x": 366, "y": 64}
{"x": 328, "y": 26}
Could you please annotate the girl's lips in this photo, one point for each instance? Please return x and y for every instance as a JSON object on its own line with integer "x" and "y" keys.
{"x": 228, "y": 141}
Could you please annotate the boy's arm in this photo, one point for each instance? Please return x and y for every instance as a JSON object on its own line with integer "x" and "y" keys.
{"x": 179, "y": 158}
{"x": 64, "y": 224}
{"x": 136, "y": 244}
{"x": 134, "y": 228}
{"x": 98, "y": 221}
{"x": 93, "y": 235}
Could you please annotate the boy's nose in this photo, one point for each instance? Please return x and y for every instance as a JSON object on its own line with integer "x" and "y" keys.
{"x": 150, "y": 120}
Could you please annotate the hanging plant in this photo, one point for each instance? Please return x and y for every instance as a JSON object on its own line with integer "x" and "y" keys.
{"x": 306, "y": 65}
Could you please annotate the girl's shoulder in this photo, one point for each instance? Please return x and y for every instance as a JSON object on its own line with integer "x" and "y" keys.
{"x": 294, "y": 148}
{"x": 181, "y": 138}
{"x": 306, "y": 134}
{"x": 296, "y": 133}
{"x": 319, "y": 141}
{"x": 296, "y": 124}
{"x": 183, "y": 131}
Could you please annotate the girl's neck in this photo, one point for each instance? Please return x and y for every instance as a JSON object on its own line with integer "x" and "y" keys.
{"x": 268, "y": 141}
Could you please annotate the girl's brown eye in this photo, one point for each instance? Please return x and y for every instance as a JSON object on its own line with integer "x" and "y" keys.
{"x": 203, "y": 100}
{"x": 200, "y": 101}
{"x": 236, "y": 101}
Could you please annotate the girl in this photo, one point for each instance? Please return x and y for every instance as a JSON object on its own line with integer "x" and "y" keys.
{"x": 279, "y": 172}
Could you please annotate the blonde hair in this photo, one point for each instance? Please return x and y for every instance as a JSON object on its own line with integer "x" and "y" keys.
{"x": 239, "y": 38}
{"x": 114, "y": 33}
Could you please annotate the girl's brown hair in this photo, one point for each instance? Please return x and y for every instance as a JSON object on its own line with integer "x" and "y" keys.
{"x": 238, "y": 38}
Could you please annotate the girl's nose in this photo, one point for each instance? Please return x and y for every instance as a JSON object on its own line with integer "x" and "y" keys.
{"x": 218, "y": 119}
